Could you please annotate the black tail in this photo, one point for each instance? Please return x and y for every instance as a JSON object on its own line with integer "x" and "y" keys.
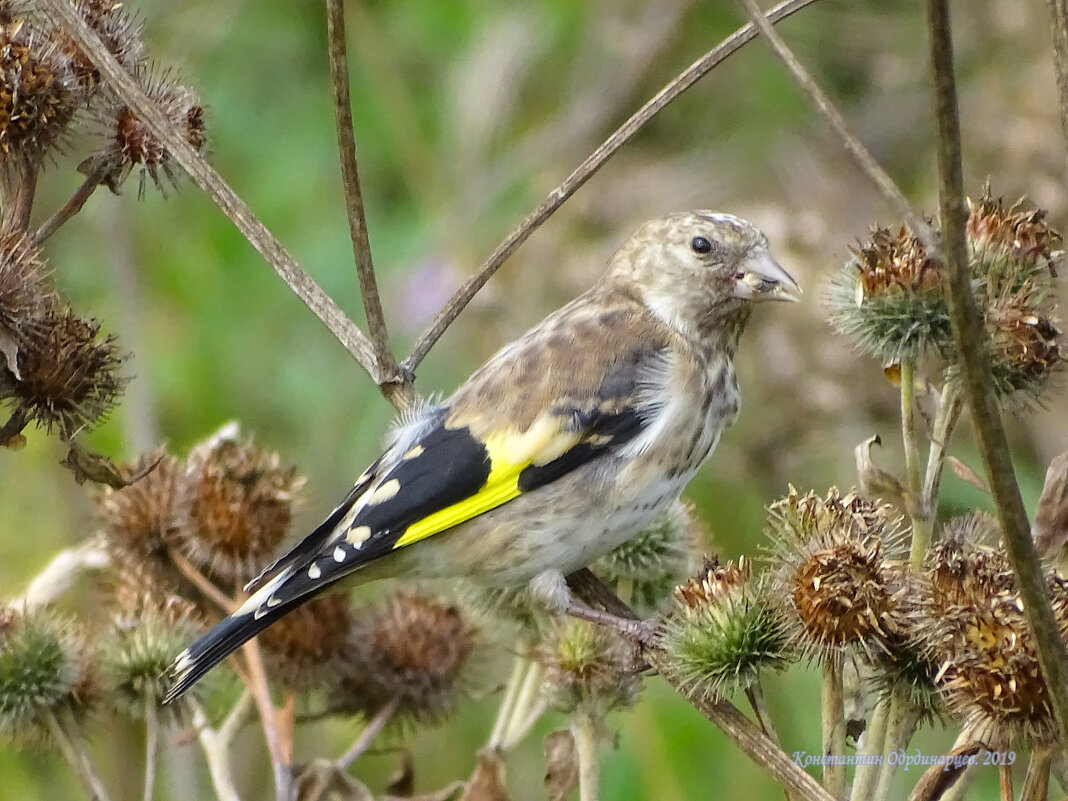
{"x": 256, "y": 614}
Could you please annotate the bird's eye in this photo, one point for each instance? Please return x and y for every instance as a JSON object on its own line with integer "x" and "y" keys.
{"x": 701, "y": 245}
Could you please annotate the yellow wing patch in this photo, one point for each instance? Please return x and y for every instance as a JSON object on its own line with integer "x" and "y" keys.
{"x": 509, "y": 453}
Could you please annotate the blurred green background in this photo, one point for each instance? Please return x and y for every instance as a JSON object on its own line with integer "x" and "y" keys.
{"x": 466, "y": 115}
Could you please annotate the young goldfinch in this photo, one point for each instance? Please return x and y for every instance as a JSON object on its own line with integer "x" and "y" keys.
{"x": 566, "y": 443}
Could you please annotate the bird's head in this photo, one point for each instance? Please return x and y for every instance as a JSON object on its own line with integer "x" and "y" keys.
{"x": 700, "y": 271}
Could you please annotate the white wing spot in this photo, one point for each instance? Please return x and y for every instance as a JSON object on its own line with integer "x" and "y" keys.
{"x": 339, "y": 554}
{"x": 314, "y": 572}
{"x": 358, "y": 536}
{"x": 414, "y": 452}
{"x": 383, "y": 492}
{"x": 273, "y": 602}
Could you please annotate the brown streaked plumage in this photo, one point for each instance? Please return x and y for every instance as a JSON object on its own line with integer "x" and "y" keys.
{"x": 567, "y": 442}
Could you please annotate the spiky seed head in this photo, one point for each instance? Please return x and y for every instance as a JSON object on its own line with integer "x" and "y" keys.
{"x": 308, "y": 646}
{"x": 69, "y": 376}
{"x": 38, "y": 90}
{"x": 119, "y": 31}
{"x": 412, "y": 647}
{"x": 129, "y": 144}
{"x": 26, "y": 292}
{"x": 976, "y": 633}
{"x": 586, "y": 667}
{"x": 44, "y": 671}
{"x": 645, "y": 568}
{"x": 136, "y": 656}
{"x": 887, "y": 298}
{"x": 726, "y": 633}
{"x": 240, "y": 502}
{"x": 836, "y": 568}
{"x": 999, "y": 235}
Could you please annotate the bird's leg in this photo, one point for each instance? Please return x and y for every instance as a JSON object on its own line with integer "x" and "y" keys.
{"x": 559, "y": 594}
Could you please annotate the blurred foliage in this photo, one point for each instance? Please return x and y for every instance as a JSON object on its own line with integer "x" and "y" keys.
{"x": 466, "y": 115}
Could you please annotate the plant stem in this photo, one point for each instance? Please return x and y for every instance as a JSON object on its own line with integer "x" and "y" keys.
{"x": 1036, "y": 781}
{"x": 832, "y": 711}
{"x": 216, "y": 745}
{"x": 370, "y": 731}
{"x": 511, "y": 691}
{"x": 866, "y": 776}
{"x": 584, "y": 731}
{"x": 1058, "y": 10}
{"x": 151, "y": 746}
{"x": 946, "y": 417}
{"x": 900, "y": 726}
{"x": 975, "y": 369}
{"x": 257, "y": 683}
{"x": 918, "y": 513}
{"x": 1005, "y": 782}
{"x": 74, "y": 205}
{"x": 526, "y": 710}
{"x": 77, "y": 758}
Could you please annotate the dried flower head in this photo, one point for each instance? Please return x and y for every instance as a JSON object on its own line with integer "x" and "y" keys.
{"x": 38, "y": 89}
{"x": 726, "y": 633}
{"x": 43, "y": 672}
{"x": 836, "y": 568}
{"x": 309, "y": 645}
{"x": 240, "y": 502}
{"x": 69, "y": 378}
{"x": 25, "y": 294}
{"x": 129, "y": 144}
{"x": 587, "y": 667}
{"x": 135, "y": 662}
{"x": 998, "y": 236}
{"x": 888, "y": 298}
{"x": 412, "y": 647}
{"x": 974, "y": 629}
{"x": 645, "y": 568}
{"x": 119, "y": 32}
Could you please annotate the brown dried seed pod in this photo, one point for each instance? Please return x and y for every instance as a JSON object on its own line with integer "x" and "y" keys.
{"x": 587, "y": 667}
{"x": 836, "y": 570}
{"x": 240, "y": 503}
{"x": 131, "y": 145}
{"x": 26, "y": 292}
{"x": 119, "y": 31}
{"x": 895, "y": 262}
{"x": 412, "y": 647}
{"x": 1013, "y": 231}
{"x": 307, "y": 647}
{"x": 974, "y": 629}
{"x": 38, "y": 90}
{"x": 69, "y": 378}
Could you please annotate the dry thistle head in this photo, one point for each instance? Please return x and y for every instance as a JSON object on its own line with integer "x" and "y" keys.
{"x": 140, "y": 523}
{"x": 308, "y": 646}
{"x": 412, "y": 647}
{"x": 974, "y": 629}
{"x": 25, "y": 294}
{"x": 136, "y": 657}
{"x": 1010, "y": 242}
{"x": 69, "y": 376}
{"x": 726, "y": 633}
{"x": 129, "y": 144}
{"x": 887, "y": 298}
{"x": 118, "y": 31}
{"x": 836, "y": 570}
{"x": 645, "y": 568}
{"x": 38, "y": 89}
{"x": 240, "y": 502}
{"x": 586, "y": 667}
{"x": 44, "y": 671}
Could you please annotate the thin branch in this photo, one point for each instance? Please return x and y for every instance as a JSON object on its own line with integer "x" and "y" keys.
{"x": 151, "y": 746}
{"x": 74, "y": 205}
{"x": 395, "y": 386}
{"x": 216, "y": 747}
{"x": 201, "y": 582}
{"x": 1058, "y": 10}
{"x": 975, "y": 368}
{"x": 235, "y": 209}
{"x": 832, "y": 715}
{"x": 257, "y": 683}
{"x": 75, "y": 753}
{"x": 370, "y": 731}
{"x": 837, "y": 122}
{"x": 582, "y": 174}
{"x": 19, "y": 190}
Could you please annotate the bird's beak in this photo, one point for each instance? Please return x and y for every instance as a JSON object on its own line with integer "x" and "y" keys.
{"x": 761, "y": 278}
